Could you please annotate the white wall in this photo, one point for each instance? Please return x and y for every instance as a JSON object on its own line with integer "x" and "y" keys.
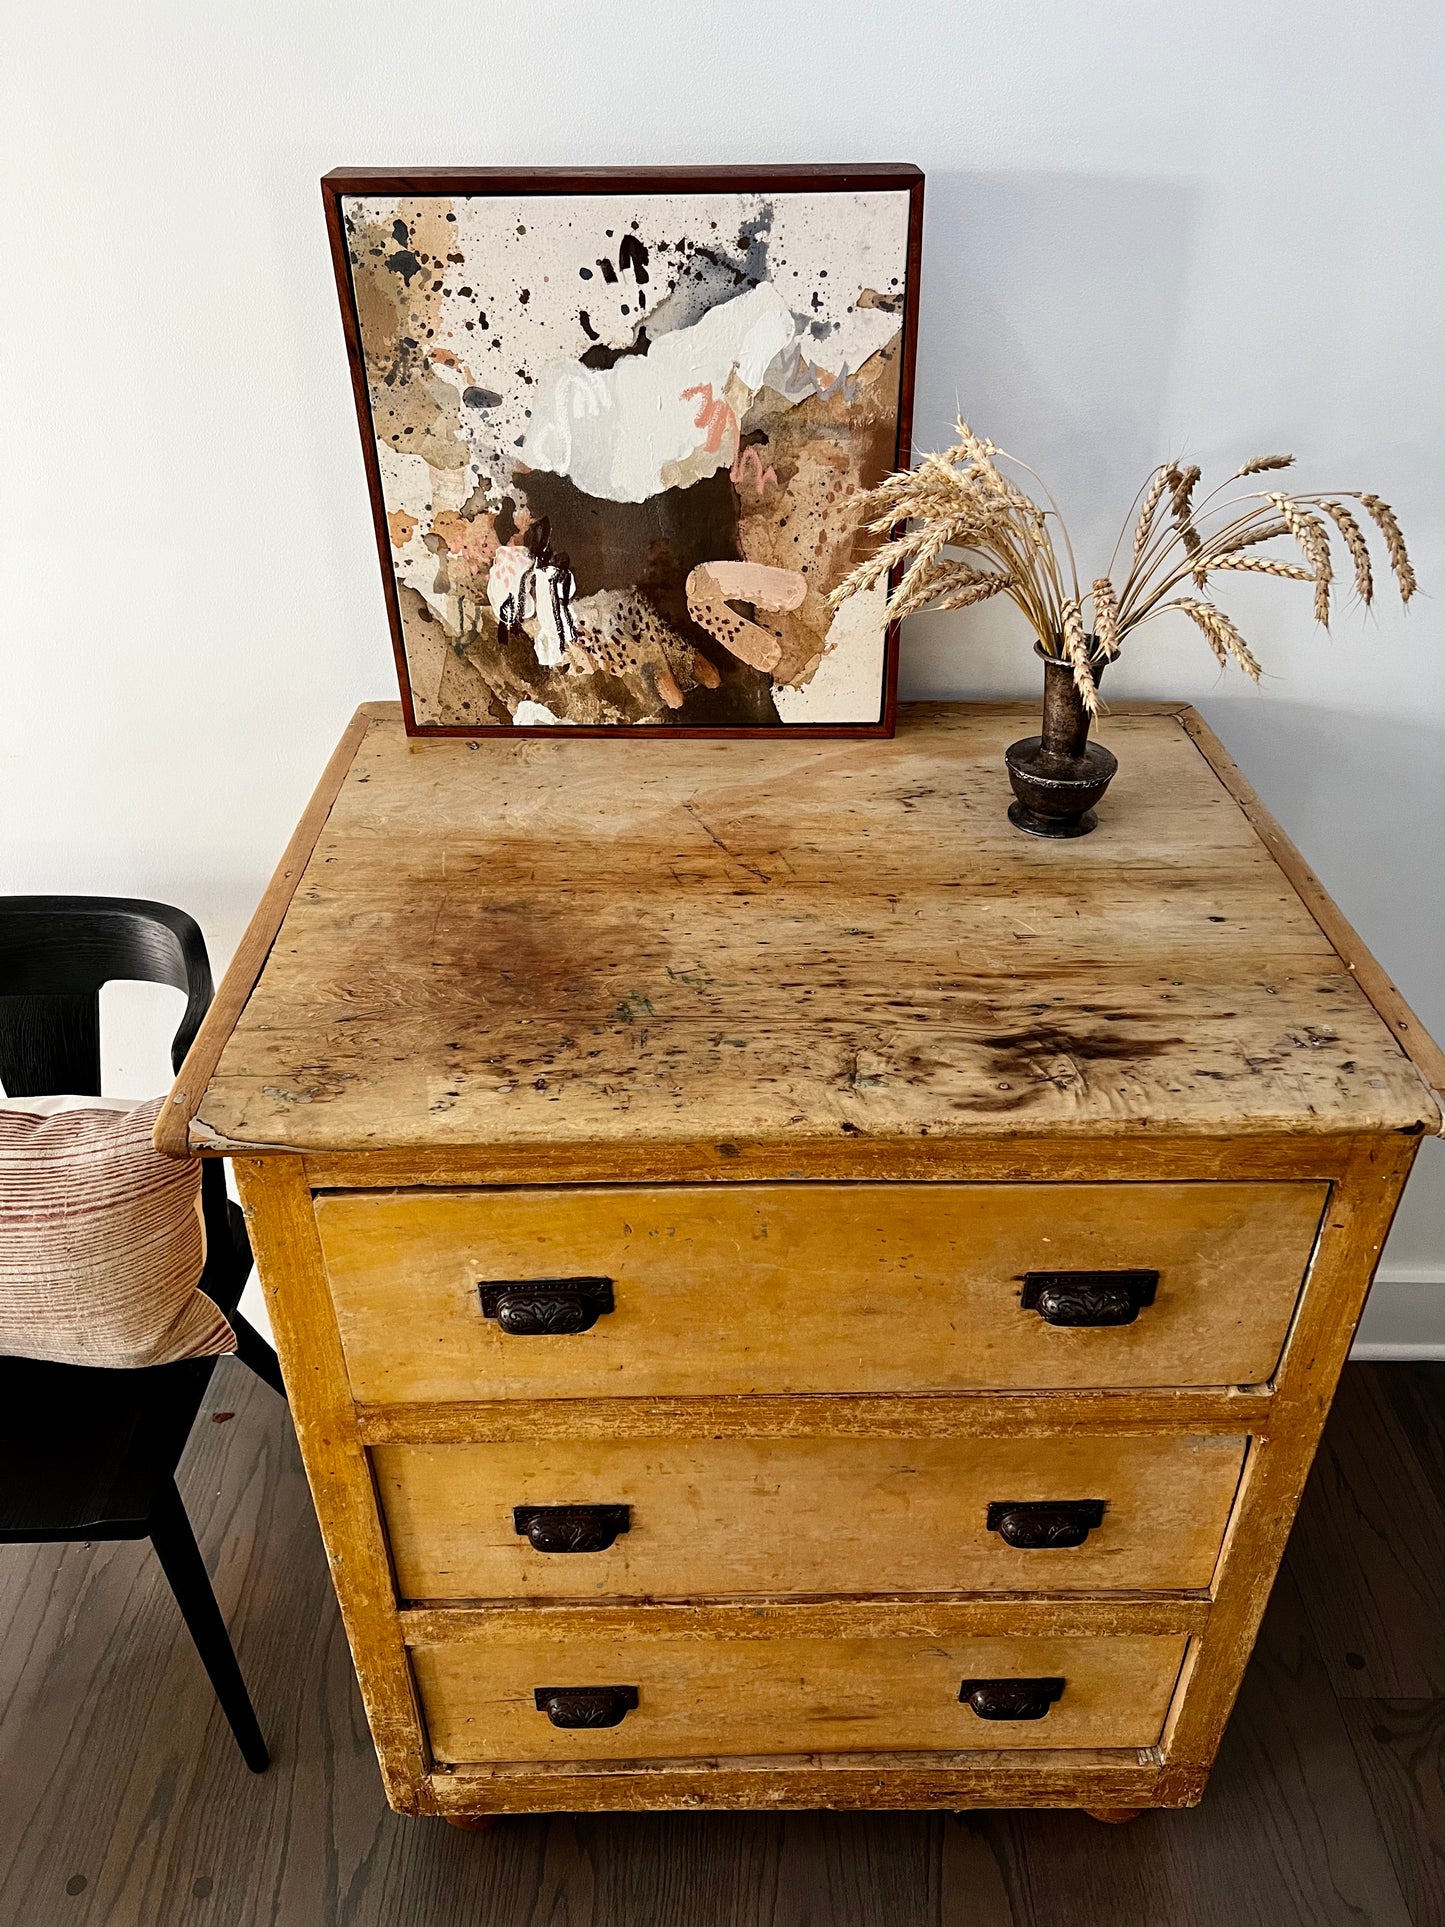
{"x": 1152, "y": 230}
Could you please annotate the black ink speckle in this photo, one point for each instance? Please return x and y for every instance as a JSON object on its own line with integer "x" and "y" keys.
{"x": 404, "y": 263}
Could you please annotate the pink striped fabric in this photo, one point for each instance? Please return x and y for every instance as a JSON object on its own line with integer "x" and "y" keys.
{"x": 101, "y": 1240}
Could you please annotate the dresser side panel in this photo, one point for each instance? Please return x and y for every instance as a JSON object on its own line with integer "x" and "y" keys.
{"x": 282, "y": 1228}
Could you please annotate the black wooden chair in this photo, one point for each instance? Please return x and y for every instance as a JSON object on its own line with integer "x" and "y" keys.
{"x": 88, "y": 1453}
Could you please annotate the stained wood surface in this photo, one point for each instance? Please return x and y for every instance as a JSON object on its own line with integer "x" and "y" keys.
{"x": 720, "y": 1698}
{"x": 889, "y": 1415}
{"x": 547, "y": 943}
{"x": 123, "y": 1802}
{"x": 719, "y": 1517}
{"x": 1376, "y": 1615}
{"x": 1425, "y": 1053}
{"x": 1400, "y": 1744}
{"x": 1014, "y": 1159}
{"x": 812, "y": 1288}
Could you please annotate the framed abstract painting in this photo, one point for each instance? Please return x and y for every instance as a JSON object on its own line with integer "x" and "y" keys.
{"x": 615, "y": 425}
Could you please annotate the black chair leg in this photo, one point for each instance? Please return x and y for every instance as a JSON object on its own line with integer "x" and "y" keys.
{"x": 182, "y": 1564}
{"x": 252, "y": 1350}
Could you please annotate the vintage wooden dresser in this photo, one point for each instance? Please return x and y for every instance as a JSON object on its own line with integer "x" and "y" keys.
{"x": 793, "y": 1293}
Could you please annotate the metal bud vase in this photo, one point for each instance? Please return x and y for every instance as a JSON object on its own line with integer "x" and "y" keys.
{"x": 1059, "y": 776}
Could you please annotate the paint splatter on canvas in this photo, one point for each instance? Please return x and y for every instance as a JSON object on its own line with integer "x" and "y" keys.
{"x": 619, "y": 439}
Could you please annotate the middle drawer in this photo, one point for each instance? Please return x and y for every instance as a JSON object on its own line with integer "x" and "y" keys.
{"x": 679, "y": 1518}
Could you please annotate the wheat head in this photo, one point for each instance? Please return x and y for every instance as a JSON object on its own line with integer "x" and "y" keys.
{"x": 1359, "y": 549}
{"x": 1263, "y": 565}
{"x": 1106, "y": 616}
{"x": 1383, "y": 516}
{"x": 1225, "y": 640}
{"x": 1309, "y": 531}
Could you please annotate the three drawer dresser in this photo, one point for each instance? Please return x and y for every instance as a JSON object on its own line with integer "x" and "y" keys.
{"x": 792, "y": 1293}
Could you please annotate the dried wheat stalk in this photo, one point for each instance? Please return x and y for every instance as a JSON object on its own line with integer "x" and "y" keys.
{"x": 1264, "y": 532}
{"x": 1106, "y": 617}
{"x": 1309, "y": 531}
{"x": 1359, "y": 548}
{"x": 1263, "y": 565}
{"x": 1151, "y": 502}
{"x": 961, "y": 531}
{"x": 1383, "y": 516}
{"x": 1076, "y": 648}
{"x": 1222, "y": 633}
{"x": 970, "y": 592}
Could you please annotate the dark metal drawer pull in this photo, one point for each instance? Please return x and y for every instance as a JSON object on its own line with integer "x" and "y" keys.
{"x": 1010, "y": 1699}
{"x": 571, "y": 1528}
{"x": 545, "y": 1307}
{"x": 1088, "y": 1297}
{"x": 586, "y": 1705}
{"x": 1040, "y": 1525}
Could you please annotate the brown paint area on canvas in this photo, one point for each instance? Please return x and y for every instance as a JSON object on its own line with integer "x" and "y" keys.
{"x": 395, "y": 272}
{"x": 655, "y": 545}
{"x": 826, "y": 451}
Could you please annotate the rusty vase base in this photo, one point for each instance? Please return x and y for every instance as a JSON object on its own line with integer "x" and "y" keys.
{"x": 1056, "y": 794}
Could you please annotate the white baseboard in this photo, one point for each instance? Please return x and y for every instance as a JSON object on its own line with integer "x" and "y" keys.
{"x": 1404, "y": 1320}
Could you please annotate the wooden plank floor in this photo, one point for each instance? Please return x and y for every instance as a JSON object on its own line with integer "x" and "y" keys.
{"x": 123, "y": 1802}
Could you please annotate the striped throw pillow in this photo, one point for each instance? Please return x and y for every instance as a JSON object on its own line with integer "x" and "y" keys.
{"x": 101, "y": 1238}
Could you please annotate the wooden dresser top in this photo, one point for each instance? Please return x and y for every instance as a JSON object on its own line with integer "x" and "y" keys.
{"x": 546, "y": 943}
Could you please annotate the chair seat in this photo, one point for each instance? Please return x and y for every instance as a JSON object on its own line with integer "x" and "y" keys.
{"x": 86, "y": 1449}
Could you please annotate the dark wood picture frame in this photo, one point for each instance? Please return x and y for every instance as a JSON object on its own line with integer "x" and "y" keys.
{"x": 342, "y": 182}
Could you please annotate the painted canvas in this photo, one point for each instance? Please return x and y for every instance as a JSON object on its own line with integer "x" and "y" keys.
{"x": 616, "y": 426}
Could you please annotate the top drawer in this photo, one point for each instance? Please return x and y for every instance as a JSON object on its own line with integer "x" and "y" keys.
{"x": 731, "y": 1288}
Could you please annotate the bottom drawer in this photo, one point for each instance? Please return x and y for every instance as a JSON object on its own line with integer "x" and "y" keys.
{"x": 641, "y": 1698}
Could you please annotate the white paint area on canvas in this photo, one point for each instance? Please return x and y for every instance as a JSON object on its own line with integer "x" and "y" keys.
{"x": 846, "y": 687}
{"x": 616, "y": 431}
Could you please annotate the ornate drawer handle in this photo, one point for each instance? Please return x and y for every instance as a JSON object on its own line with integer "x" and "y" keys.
{"x": 545, "y": 1307}
{"x": 1088, "y": 1297}
{"x": 571, "y": 1528}
{"x": 586, "y": 1705}
{"x": 1039, "y": 1525}
{"x": 1010, "y": 1699}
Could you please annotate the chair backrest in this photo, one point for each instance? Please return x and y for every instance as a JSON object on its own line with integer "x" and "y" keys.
{"x": 56, "y": 953}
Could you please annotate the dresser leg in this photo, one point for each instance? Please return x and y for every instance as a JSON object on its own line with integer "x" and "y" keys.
{"x": 472, "y": 1822}
{"x": 1113, "y": 1816}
